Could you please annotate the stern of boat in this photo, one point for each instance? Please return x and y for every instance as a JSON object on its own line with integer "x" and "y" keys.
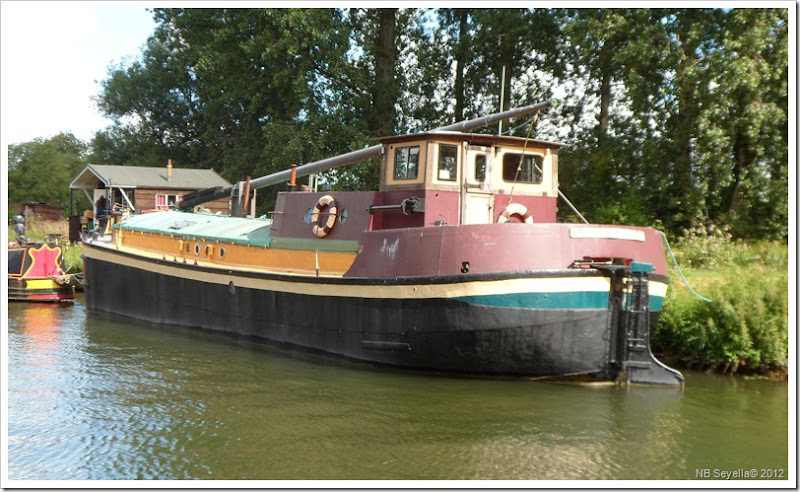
{"x": 631, "y": 319}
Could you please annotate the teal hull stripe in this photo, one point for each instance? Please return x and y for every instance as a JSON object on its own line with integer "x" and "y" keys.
{"x": 550, "y": 300}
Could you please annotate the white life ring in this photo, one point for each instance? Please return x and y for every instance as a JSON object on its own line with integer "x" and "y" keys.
{"x": 325, "y": 201}
{"x": 517, "y": 209}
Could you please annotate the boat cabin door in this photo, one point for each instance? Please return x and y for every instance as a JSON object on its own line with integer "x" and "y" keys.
{"x": 477, "y": 200}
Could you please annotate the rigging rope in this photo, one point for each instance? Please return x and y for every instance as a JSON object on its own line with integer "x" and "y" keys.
{"x": 675, "y": 262}
{"x": 522, "y": 157}
{"x": 510, "y": 130}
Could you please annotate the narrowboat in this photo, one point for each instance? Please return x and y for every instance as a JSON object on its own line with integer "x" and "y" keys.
{"x": 36, "y": 272}
{"x": 457, "y": 264}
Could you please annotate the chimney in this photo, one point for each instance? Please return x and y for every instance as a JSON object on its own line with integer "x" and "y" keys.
{"x": 169, "y": 170}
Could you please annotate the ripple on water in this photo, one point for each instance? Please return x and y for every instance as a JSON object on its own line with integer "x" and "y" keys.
{"x": 96, "y": 397}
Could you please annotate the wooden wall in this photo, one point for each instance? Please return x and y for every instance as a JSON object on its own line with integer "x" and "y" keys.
{"x": 43, "y": 211}
{"x": 146, "y": 200}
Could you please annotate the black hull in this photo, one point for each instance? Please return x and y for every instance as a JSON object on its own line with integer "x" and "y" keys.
{"x": 421, "y": 334}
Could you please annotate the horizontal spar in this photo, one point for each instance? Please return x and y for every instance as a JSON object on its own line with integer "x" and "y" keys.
{"x": 197, "y": 198}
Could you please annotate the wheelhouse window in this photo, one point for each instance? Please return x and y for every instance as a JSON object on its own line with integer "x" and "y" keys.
{"x": 406, "y": 162}
{"x": 521, "y": 168}
{"x": 480, "y": 168}
{"x": 447, "y": 162}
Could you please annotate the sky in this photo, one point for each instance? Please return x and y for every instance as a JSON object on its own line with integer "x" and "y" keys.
{"x": 54, "y": 55}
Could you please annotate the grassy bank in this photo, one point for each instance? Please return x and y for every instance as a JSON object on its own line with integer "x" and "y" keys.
{"x": 745, "y": 328}
{"x": 37, "y": 230}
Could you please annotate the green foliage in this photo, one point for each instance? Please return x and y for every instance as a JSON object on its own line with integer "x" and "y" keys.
{"x": 41, "y": 170}
{"x": 698, "y": 100}
{"x": 672, "y": 116}
{"x": 711, "y": 247}
{"x": 746, "y": 326}
{"x": 707, "y": 247}
{"x": 129, "y": 146}
{"x": 628, "y": 209}
{"x": 742, "y": 135}
{"x": 232, "y": 90}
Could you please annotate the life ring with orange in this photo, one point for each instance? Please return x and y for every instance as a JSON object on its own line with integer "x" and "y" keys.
{"x": 330, "y": 203}
{"x": 518, "y": 210}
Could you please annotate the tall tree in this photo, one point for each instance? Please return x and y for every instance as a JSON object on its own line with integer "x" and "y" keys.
{"x": 373, "y": 75}
{"x": 746, "y": 126}
{"x": 457, "y": 25}
{"x": 692, "y": 128}
{"x": 509, "y": 44}
{"x": 227, "y": 88}
{"x": 41, "y": 170}
{"x": 423, "y": 72}
{"x": 612, "y": 79}
{"x": 673, "y": 115}
{"x": 375, "y": 33}
{"x": 694, "y": 36}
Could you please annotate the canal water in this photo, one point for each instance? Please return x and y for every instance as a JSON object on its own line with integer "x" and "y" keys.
{"x": 92, "y": 396}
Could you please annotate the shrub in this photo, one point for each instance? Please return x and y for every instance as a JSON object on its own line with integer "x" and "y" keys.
{"x": 705, "y": 247}
{"x": 746, "y": 325}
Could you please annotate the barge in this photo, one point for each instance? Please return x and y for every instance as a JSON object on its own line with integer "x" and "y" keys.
{"x": 36, "y": 272}
{"x": 457, "y": 264}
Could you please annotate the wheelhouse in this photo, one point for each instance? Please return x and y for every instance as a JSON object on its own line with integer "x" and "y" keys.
{"x": 471, "y": 178}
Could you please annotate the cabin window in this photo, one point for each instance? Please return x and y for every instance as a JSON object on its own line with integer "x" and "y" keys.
{"x": 406, "y": 162}
{"x": 480, "y": 168}
{"x": 528, "y": 169}
{"x": 447, "y": 162}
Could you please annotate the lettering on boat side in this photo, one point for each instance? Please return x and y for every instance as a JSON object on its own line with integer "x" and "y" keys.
{"x": 606, "y": 233}
{"x": 390, "y": 250}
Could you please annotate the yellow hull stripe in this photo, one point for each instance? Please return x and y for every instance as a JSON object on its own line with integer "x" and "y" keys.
{"x": 41, "y": 283}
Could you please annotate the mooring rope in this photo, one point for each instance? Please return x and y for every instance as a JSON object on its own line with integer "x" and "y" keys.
{"x": 63, "y": 279}
{"x": 675, "y": 262}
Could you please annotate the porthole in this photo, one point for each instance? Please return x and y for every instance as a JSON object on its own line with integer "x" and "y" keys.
{"x": 188, "y": 247}
{"x": 222, "y": 252}
{"x": 209, "y": 250}
{"x": 309, "y": 213}
{"x": 343, "y": 216}
{"x": 197, "y": 249}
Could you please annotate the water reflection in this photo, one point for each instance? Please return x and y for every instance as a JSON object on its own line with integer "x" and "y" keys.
{"x": 36, "y": 409}
{"x": 41, "y": 325}
{"x": 103, "y": 398}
